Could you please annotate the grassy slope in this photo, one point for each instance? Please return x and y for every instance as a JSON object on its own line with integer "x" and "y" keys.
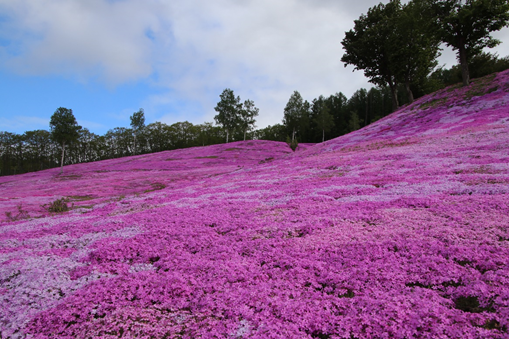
{"x": 398, "y": 229}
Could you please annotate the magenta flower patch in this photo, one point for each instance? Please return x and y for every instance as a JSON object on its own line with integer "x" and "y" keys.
{"x": 398, "y": 230}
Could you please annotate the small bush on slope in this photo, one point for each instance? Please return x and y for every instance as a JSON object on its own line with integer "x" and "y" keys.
{"x": 57, "y": 206}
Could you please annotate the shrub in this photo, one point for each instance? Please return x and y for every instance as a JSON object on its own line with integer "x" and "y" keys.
{"x": 22, "y": 214}
{"x": 57, "y": 206}
{"x": 292, "y": 143}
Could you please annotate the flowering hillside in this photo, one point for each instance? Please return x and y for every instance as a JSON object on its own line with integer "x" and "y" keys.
{"x": 398, "y": 230}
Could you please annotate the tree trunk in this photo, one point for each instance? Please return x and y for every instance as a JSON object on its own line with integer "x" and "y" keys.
{"x": 409, "y": 92}
{"x": 134, "y": 149}
{"x": 62, "y": 160}
{"x": 394, "y": 95}
{"x": 370, "y": 107}
{"x": 293, "y": 135}
{"x": 465, "y": 74}
{"x": 367, "y": 111}
{"x": 323, "y": 135}
{"x": 226, "y": 136}
{"x": 245, "y": 135}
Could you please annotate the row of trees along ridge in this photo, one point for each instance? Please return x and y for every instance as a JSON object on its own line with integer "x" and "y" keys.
{"x": 312, "y": 121}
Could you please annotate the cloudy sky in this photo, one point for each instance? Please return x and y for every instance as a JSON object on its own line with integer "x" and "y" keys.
{"x": 105, "y": 59}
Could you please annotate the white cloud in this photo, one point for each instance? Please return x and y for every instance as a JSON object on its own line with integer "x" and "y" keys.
{"x": 263, "y": 50}
{"x": 191, "y": 50}
{"x": 81, "y": 39}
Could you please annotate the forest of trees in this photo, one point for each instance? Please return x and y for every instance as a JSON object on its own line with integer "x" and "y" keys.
{"x": 406, "y": 39}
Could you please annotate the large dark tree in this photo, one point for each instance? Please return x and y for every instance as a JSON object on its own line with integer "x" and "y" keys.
{"x": 64, "y": 129}
{"x": 228, "y": 111}
{"x": 466, "y": 26}
{"x": 415, "y": 44}
{"x": 393, "y": 44}
{"x": 369, "y": 46}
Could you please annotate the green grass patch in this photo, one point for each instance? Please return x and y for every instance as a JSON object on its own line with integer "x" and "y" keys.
{"x": 433, "y": 103}
{"x": 80, "y": 197}
{"x": 69, "y": 177}
{"x": 58, "y": 206}
{"x": 454, "y": 87}
{"x": 479, "y": 86}
{"x": 22, "y": 214}
{"x": 156, "y": 186}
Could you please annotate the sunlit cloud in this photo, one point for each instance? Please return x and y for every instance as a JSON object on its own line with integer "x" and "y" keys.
{"x": 189, "y": 51}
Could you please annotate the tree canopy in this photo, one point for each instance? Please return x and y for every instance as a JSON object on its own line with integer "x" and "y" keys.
{"x": 368, "y": 47}
{"x": 322, "y": 116}
{"x": 137, "y": 124}
{"x": 228, "y": 111}
{"x": 415, "y": 45}
{"x": 64, "y": 129}
{"x": 248, "y": 115}
{"x": 393, "y": 44}
{"x": 466, "y": 26}
{"x": 294, "y": 112}
{"x": 235, "y": 116}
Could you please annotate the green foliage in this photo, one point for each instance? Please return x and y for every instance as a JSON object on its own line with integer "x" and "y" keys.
{"x": 64, "y": 129}
{"x": 393, "y": 44}
{"x": 480, "y": 87}
{"x": 138, "y": 120}
{"x": 415, "y": 45}
{"x": 354, "y": 123}
{"x": 22, "y": 214}
{"x": 137, "y": 124}
{"x": 292, "y": 143}
{"x": 471, "y": 304}
{"x": 228, "y": 110}
{"x": 466, "y": 26}
{"x": 276, "y": 132}
{"x": 296, "y": 115}
{"x": 322, "y": 116}
{"x": 57, "y": 206}
{"x": 247, "y": 116}
{"x": 156, "y": 186}
{"x": 479, "y": 66}
{"x": 370, "y": 45}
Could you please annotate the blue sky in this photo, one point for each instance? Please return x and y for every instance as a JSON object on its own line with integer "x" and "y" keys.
{"x": 105, "y": 59}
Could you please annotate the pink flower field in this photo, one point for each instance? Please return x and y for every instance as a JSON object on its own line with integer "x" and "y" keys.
{"x": 398, "y": 230}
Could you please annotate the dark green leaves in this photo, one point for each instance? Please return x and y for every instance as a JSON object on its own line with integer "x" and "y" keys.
{"x": 233, "y": 115}
{"x": 138, "y": 120}
{"x": 466, "y": 26}
{"x": 64, "y": 127}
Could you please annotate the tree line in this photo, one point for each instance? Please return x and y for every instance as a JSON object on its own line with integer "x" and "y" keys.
{"x": 43, "y": 149}
{"x": 396, "y": 46}
{"x": 320, "y": 119}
